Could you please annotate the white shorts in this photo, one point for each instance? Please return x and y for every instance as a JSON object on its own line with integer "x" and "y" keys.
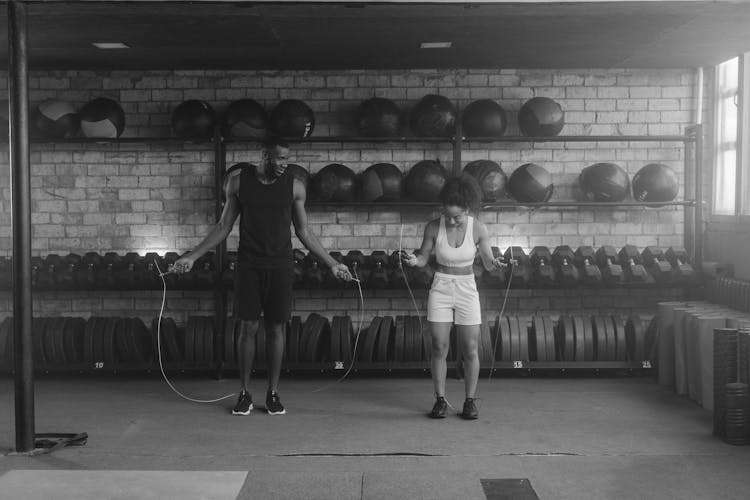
{"x": 454, "y": 299}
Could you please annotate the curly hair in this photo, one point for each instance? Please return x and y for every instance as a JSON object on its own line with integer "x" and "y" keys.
{"x": 462, "y": 191}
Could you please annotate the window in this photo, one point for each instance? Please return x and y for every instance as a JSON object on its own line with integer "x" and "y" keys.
{"x": 730, "y": 180}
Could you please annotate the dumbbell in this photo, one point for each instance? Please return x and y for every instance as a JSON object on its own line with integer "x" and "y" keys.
{"x": 47, "y": 276}
{"x": 498, "y": 276}
{"x": 358, "y": 265}
{"x": 541, "y": 259}
{"x": 680, "y": 261}
{"x": 202, "y": 274}
{"x": 37, "y": 269}
{"x": 633, "y": 263}
{"x": 657, "y": 264}
{"x": 400, "y": 273}
{"x": 564, "y": 260}
{"x": 585, "y": 259}
{"x": 298, "y": 258}
{"x": 106, "y": 276}
{"x": 314, "y": 271}
{"x": 66, "y": 273}
{"x": 520, "y": 273}
{"x": 379, "y": 272}
{"x": 423, "y": 275}
{"x": 609, "y": 263}
{"x": 230, "y": 268}
{"x": 85, "y": 275}
{"x": 129, "y": 272}
{"x": 332, "y": 281}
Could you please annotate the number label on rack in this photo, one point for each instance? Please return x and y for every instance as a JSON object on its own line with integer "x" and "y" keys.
{"x": 518, "y": 364}
{"x": 99, "y": 365}
{"x": 338, "y": 365}
{"x": 646, "y": 364}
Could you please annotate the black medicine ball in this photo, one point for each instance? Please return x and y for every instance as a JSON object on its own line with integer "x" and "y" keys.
{"x": 245, "y": 118}
{"x": 193, "y": 119}
{"x": 335, "y": 182}
{"x": 425, "y": 180}
{"x": 102, "y": 117}
{"x": 292, "y": 118}
{"x": 541, "y": 117}
{"x": 604, "y": 182}
{"x": 381, "y": 182}
{"x": 489, "y": 176}
{"x": 433, "y": 116}
{"x": 484, "y": 118}
{"x": 655, "y": 183}
{"x": 378, "y": 117}
{"x": 53, "y": 119}
{"x": 530, "y": 183}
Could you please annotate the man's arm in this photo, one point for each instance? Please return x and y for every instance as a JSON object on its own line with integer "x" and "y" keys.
{"x": 299, "y": 219}
{"x": 219, "y": 232}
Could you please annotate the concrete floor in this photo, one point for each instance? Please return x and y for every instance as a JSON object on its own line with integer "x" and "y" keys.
{"x": 573, "y": 438}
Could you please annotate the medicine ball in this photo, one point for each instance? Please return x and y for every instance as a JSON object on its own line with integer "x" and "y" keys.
{"x": 292, "y": 118}
{"x": 542, "y": 117}
{"x": 299, "y": 173}
{"x": 489, "y": 176}
{"x": 381, "y": 182}
{"x": 604, "y": 182}
{"x": 53, "y": 119}
{"x": 102, "y": 117}
{"x": 245, "y": 118}
{"x": 530, "y": 183}
{"x": 378, "y": 117}
{"x": 433, "y": 116}
{"x": 335, "y": 182}
{"x": 484, "y": 118}
{"x": 425, "y": 180}
{"x": 193, "y": 119}
{"x": 654, "y": 183}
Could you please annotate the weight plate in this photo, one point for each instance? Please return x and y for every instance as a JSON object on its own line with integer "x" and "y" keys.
{"x": 589, "y": 342}
{"x": 189, "y": 357}
{"x": 523, "y": 335}
{"x": 649, "y": 341}
{"x": 549, "y": 334}
{"x": 566, "y": 338}
{"x": 322, "y": 352}
{"x": 98, "y": 340}
{"x": 123, "y": 355}
{"x": 580, "y": 338}
{"x": 38, "y": 326}
{"x": 421, "y": 330}
{"x": 58, "y": 339}
{"x": 503, "y": 332}
{"x": 305, "y": 335}
{"x": 398, "y": 339}
{"x": 295, "y": 330}
{"x": 209, "y": 339}
{"x": 369, "y": 340}
{"x": 108, "y": 343}
{"x": 335, "y": 350}
{"x": 600, "y": 339}
{"x": 634, "y": 336}
{"x": 609, "y": 330}
{"x": 347, "y": 337}
{"x": 73, "y": 339}
{"x": 384, "y": 338}
{"x": 515, "y": 338}
{"x": 486, "y": 342}
{"x": 175, "y": 341}
{"x": 538, "y": 340}
{"x": 618, "y": 322}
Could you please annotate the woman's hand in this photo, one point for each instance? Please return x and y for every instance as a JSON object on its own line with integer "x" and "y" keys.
{"x": 408, "y": 258}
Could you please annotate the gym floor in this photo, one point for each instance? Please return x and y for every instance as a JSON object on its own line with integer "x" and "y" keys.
{"x": 369, "y": 438}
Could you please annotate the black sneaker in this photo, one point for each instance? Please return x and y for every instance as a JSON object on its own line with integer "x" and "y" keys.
{"x": 438, "y": 411}
{"x": 244, "y": 404}
{"x": 273, "y": 404}
{"x": 470, "y": 410}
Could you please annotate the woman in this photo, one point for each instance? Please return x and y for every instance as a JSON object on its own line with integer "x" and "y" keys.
{"x": 453, "y": 298}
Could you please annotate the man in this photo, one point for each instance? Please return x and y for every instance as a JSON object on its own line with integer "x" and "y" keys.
{"x": 268, "y": 200}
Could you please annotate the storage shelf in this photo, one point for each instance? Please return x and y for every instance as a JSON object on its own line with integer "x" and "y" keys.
{"x": 584, "y": 138}
{"x": 127, "y": 140}
{"x": 345, "y": 138}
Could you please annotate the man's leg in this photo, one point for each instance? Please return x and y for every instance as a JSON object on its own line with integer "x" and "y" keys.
{"x": 246, "y": 351}
{"x": 275, "y": 335}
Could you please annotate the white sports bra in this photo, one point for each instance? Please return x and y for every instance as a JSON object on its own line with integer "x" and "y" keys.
{"x": 455, "y": 256}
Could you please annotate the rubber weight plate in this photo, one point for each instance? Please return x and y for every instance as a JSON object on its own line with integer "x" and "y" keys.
{"x": 538, "y": 341}
{"x": 618, "y": 322}
{"x": 635, "y": 338}
{"x": 609, "y": 330}
{"x": 398, "y": 339}
{"x": 589, "y": 343}
{"x": 73, "y": 339}
{"x": 600, "y": 338}
{"x": 108, "y": 343}
{"x": 209, "y": 333}
{"x": 368, "y": 346}
{"x": 487, "y": 342}
{"x": 293, "y": 340}
{"x": 503, "y": 330}
{"x": 384, "y": 339}
{"x": 347, "y": 337}
{"x": 56, "y": 328}
{"x": 123, "y": 355}
{"x": 549, "y": 333}
{"x": 335, "y": 346}
{"x": 523, "y": 335}
{"x": 566, "y": 338}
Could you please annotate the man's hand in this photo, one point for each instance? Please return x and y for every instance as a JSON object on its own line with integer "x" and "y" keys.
{"x": 408, "y": 258}
{"x": 341, "y": 272}
{"x": 183, "y": 264}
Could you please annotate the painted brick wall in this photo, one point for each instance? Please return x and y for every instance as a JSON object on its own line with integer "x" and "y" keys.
{"x": 159, "y": 197}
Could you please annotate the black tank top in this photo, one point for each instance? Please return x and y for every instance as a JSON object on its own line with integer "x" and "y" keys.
{"x": 265, "y": 220}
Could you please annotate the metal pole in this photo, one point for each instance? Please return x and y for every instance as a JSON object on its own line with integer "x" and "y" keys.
{"x": 698, "y": 257}
{"x": 220, "y": 294}
{"x": 21, "y": 224}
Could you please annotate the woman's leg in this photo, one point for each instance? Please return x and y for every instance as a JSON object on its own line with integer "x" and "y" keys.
{"x": 468, "y": 339}
{"x": 440, "y": 334}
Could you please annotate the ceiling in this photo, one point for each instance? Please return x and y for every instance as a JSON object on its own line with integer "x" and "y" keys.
{"x": 305, "y": 35}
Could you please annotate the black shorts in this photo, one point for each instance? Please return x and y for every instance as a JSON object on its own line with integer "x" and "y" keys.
{"x": 266, "y": 290}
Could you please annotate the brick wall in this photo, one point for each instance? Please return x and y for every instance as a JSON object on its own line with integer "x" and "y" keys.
{"x": 159, "y": 197}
